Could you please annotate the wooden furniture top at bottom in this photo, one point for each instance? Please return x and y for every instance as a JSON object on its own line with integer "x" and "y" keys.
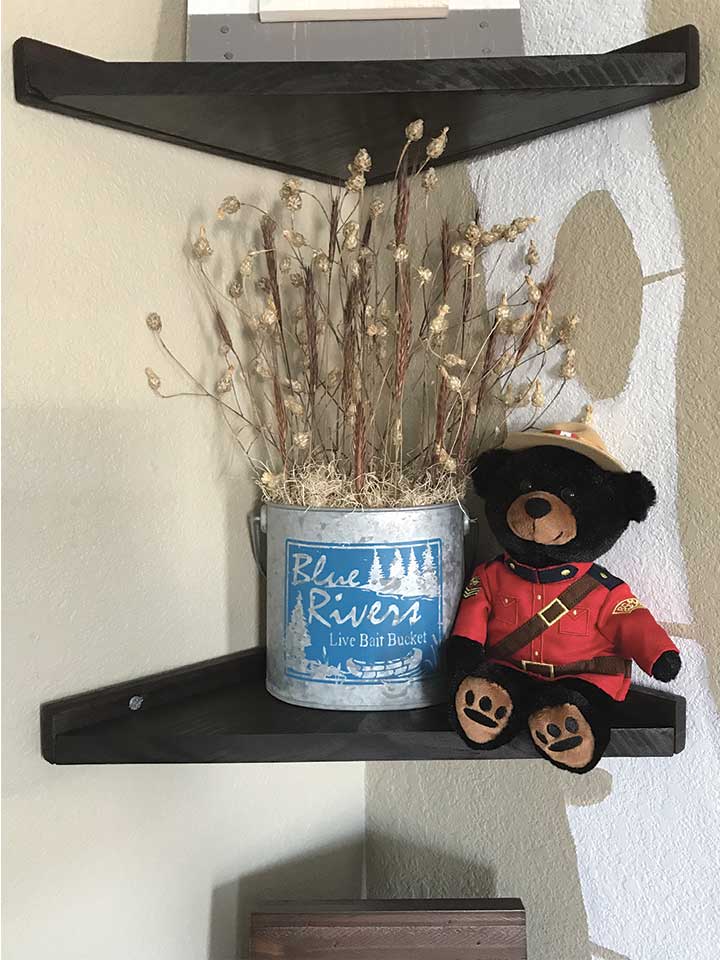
{"x": 390, "y": 930}
{"x": 219, "y": 711}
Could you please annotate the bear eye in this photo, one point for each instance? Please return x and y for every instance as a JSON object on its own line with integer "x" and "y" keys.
{"x": 525, "y": 486}
{"x": 567, "y": 494}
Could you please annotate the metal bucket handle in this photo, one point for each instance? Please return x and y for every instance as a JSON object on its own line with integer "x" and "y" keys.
{"x": 258, "y": 528}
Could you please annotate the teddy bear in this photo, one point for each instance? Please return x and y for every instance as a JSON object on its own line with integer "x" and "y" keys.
{"x": 544, "y": 636}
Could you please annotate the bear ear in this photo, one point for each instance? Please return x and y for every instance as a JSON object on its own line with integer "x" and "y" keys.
{"x": 486, "y": 469}
{"x": 638, "y": 493}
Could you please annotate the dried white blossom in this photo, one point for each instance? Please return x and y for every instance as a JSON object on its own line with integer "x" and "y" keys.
{"x": 502, "y": 311}
{"x": 568, "y": 327}
{"x": 269, "y": 316}
{"x": 154, "y": 322}
{"x": 262, "y": 369}
{"x": 439, "y": 323}
{"x": 568, "y": 369}
{"x": 452, "y": 360}
{"x": 534, "y": 292}
{"x": 429, "y": 179}
{"x": 224, "y": 384}
{"x": 508, "y": 395}
{"x": 201, "y": 246}
{"x": 322, "y": 262}
{"x": 355, "y": 183}
{"x": 362, "y": 161}
{"x": 503, "y": 362}
{"x": 587, "y": 414}
{"x": 294, "y": 238}
{"x": 273, "y": 481}
{"x": 377, "y": 207}
{"x": 437, "y": 145}
{"x": 290, "y": 194}
{"x": 537, "y": 398}
{"x": 235, "y": 288}
{"x": 285, "y": 265}
{"x": 415, "y": 130}
{"x": 229, "y": 206}
{"x": 473, "y": 234}
{"x": 153, "y": 379}
{"x": 532, "y": 257}
{"x": 297, "y": 279}
{"x": 447, "y": 463}
{"x": 425, "y": 275}
{"x": 400, "y": 251}
{"x": 333, "y": 378}
{"x": 350, "y": 235}
{"x": 246, "y": 266}
{"x": 464, "y": 251}
{"x": 294, "y": 406}
{"x": 301, "y": 440}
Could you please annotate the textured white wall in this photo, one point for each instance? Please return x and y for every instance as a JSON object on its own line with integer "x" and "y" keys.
{"x": 125, "y": 543}
{"x": 639, "y": 837}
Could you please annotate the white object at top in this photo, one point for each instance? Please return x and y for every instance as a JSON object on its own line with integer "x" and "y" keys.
{"x": 284, "y": 11}
{"x": 197, "y": 8}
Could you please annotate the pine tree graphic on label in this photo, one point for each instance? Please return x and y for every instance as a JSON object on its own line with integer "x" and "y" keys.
{"x": 397, "y": 569}
{"x": 375, "y": 578}
{"x": 429, "y": 574}
{"x": 412, "y": 585}
{"x": 297, "y": 638}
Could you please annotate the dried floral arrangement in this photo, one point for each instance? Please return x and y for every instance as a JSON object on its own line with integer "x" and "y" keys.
{"x": 362, "y": 367}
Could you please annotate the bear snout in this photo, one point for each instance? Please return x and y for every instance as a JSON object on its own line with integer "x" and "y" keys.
{"x": 537, "y": 507}
{"x": 542, "y": 517}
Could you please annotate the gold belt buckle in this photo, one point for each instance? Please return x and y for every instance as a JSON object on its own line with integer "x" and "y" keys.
{"x": 538, "y": 663}
{"x": 562, "y": 611}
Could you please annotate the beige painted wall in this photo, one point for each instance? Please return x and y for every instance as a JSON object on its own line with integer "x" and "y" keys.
{"x": 125, "y": 546}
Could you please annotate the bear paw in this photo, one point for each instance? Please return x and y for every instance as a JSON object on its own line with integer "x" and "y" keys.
{"x": 564, "y": 736}
{"x": 483, "y": 710}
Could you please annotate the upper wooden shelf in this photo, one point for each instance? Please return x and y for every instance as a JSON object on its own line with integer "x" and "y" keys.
{"x": 309, "y": 119}
{"x": 219, "y": 711}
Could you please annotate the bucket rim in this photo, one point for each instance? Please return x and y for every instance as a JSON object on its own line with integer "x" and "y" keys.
{"x": 454, "y": 504}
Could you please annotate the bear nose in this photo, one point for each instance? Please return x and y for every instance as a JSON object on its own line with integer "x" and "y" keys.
{"x": 537, "y": 507}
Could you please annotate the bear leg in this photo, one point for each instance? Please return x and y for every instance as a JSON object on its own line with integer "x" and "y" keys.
{"x": 488, "y": 706}
{"x": 569, "y": 724}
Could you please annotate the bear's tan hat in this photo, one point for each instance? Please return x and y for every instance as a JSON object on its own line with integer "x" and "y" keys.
{"x": 575, "y": 436}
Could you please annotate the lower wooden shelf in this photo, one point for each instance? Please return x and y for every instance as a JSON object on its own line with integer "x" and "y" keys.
{"x": 218, "y": 711}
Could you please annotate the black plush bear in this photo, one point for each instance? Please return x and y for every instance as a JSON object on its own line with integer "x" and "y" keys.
{"x": 544, "y": 637}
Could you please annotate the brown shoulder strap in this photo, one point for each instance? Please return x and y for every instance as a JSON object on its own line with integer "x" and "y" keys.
{"x": 537, "y": 624}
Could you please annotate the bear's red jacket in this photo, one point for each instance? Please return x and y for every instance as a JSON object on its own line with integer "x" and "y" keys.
{"x": 503, "y": 594}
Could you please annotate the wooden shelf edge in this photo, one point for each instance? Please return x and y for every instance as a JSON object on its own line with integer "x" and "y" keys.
{"x": 62, "y": 81}
{"x": 102, "y": 726}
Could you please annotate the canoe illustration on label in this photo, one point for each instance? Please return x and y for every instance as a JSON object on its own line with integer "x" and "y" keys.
{"x": 363, "y": 613}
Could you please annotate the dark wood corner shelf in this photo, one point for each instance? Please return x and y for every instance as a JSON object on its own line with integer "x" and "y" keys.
{"x": 218, "y": 711}
{"x": 310, "y": 118}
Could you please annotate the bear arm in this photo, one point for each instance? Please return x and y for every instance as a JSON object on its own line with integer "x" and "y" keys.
{"x": 632, "y": 630}
{"x": 472, "y": 616}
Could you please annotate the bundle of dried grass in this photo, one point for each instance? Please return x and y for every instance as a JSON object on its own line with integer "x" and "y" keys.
{"x": 362, "y": 368}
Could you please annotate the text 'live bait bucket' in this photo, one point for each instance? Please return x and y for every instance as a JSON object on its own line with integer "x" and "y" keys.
{"x": 359, "y": 604}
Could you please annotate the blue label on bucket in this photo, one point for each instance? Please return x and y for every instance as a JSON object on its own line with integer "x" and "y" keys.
{"x": 363, "y": 613}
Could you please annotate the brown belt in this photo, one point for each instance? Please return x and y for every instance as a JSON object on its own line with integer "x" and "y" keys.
{"x": 612, "y": 666}
{"x": 550, "y": 614}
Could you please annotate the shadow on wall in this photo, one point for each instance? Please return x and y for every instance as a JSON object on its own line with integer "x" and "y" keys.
{"x": 502, "y": 831}
{"x": 312, "y": 877}
{"x": 170, "y": 41}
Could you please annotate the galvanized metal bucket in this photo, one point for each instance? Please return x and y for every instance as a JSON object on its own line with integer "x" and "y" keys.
{"x": 359, "y": 603}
